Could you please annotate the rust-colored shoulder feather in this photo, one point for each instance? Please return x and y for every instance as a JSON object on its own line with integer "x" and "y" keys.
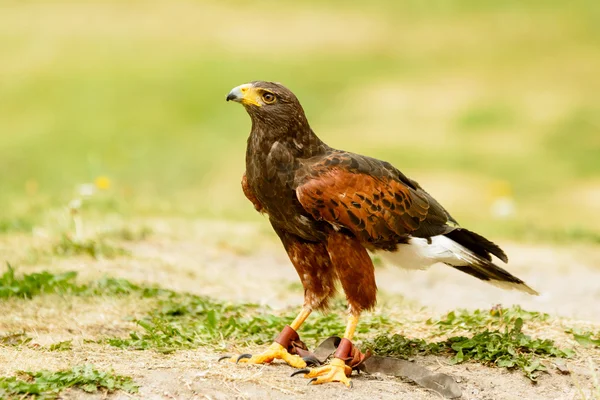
{"x": 368, "y": 197}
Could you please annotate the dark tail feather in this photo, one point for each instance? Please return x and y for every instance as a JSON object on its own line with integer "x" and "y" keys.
{"x": 495, "y": 275}
{"x": 475, "y": 250}
{"x": 477, "y": 244}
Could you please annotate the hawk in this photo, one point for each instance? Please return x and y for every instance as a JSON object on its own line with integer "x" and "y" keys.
{"x": 330, "y": 207}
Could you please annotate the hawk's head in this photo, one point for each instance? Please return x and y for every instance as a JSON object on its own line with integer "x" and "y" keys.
{"x": 269, "y": 103}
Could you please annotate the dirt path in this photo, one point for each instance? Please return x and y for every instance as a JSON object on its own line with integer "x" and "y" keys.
{"x": 245, "y": 263}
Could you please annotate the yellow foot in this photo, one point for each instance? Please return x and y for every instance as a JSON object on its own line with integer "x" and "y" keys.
{"x": 275, "y": 351}
{"x": 335, "y": 371}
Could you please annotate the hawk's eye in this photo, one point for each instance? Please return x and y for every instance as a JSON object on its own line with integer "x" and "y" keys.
{"x": 268, "y": 97}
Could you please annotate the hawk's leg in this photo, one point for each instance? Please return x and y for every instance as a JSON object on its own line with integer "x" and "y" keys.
{"x": 357, "y": 275}
{"x": 312, "y": 262}
{"x": 279, "y": 349}
{"x": 337, "y": 370}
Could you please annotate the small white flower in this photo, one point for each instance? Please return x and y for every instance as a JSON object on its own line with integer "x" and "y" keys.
{"x": 86, "y": 189}
{"x": 75, "y": 204}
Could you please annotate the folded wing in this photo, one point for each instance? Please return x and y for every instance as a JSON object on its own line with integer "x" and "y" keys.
{"x": 370, "y": 198}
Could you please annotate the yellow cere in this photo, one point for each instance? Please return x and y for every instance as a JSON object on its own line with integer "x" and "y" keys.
{"x": 252, "y": 96}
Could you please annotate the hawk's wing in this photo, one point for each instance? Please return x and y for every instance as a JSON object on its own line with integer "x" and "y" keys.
{"x": 369, "y": 197}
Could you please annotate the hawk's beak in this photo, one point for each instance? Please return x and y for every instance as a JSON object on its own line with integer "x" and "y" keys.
{"x": 245, "y": 94}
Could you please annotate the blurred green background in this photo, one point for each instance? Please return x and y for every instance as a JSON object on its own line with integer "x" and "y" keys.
{"x": 493, "y": 106}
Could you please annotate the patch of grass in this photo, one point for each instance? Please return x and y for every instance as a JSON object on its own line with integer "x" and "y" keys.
{"x": 400, "y": 346}
{"x": 21, "y": 339}
{"x": 96, "y": 248}
{"x": 586, "y": 339}
{"x": 183, "y": 321}
{"x": 478, "y": 320}
{"x": 34, "y": 284}
{"x": 61, "y": 346}
{"x": 49, "y": 384}
{"x": 187, "y": 321}
{"x": 38, "y": 283}
{"x": 509, "y": 348}
{"x": 14, "y": 339}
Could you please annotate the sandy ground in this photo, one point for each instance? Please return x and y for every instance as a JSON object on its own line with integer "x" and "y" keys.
{"x": 197, "y": 375}
{"x": 244, "y": 262}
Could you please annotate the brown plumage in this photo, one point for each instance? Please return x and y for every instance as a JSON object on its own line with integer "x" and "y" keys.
{"x": 330, "y": 206}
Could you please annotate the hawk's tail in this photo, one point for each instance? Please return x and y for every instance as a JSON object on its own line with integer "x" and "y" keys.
{"x": 472, "y": 256}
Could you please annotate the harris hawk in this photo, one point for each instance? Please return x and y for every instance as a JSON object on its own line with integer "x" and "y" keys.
{"x": 329, "y": 207}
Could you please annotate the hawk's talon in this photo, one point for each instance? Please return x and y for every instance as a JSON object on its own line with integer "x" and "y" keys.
{"x": 274, "y": 352}
{"x": 311, "y": 360}
{"x": 335, "y": 371}
{"x": 243, "y": 356}
{"x": 300, "y": 371}
{"x": 223, "y": 358}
